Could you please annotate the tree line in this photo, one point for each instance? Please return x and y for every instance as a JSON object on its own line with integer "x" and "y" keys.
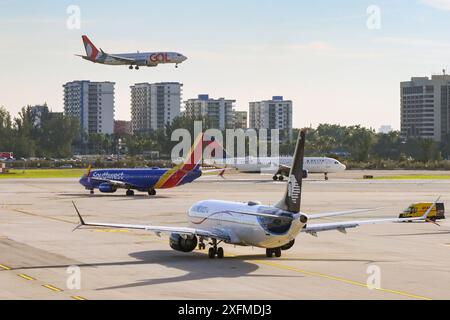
{"x": 55, "y": 135}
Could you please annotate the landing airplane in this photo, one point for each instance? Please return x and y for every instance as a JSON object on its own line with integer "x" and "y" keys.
{"x": 144, "y": 59}
{"x": 274, "y": 228}
{"x": 147, "y": 180}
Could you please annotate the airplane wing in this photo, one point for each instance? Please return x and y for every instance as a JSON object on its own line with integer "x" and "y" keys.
{"x": 115, "y": 183}
{"x": 122, "y": 59}
{"x": 158, "y": 230}
{"x": 313, "y": 229}
{"x": 338, "y": 213}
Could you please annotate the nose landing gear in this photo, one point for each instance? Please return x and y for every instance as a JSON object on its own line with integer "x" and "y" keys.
{"x": 214, "y": 251}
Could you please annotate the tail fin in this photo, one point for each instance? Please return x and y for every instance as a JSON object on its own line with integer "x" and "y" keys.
{"x": 292, "y": 200}
{"x": 88, "y": 170}
{"x": 192, "y": 162}
{"x": 195, "y": 155}
{"x": 91, "y": 50}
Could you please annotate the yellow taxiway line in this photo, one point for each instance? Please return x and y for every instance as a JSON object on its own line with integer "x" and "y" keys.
{"x": 24, "y": 276}
{"x": 78, "y": 298}
{"x": 4, "y": 267}
{"x": 48, "y": 286}
{"x": 339, "y": 279}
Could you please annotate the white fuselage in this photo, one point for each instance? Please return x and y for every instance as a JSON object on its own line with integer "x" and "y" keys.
{"x": 150, "y": 59}
{"x": 244, "y": 229}
{"x": 310, "y": 164}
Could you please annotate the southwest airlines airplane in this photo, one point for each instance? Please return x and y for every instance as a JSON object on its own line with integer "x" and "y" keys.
{"x": 147, "y": 180}
{"x": 144, "y": 59}
{"x": 274, "y": 228}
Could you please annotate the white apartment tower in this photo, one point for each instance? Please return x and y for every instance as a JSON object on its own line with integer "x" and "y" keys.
{"x": 272, "y": 114}
{"x": 92, "y": 103}
{"x": 219, "y": 111}
{"x": 154, "y": 105}
{"x": 425, "y": 107}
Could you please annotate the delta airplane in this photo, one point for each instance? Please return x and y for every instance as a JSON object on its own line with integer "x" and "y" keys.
{"x": 147, "y": 180}
{"x": 274, "y": 228}
{"x": 282, "y": 165}
{"x": 138, "y": 59}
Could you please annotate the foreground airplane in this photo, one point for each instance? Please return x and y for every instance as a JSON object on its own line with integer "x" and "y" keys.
{"x": 274, "y": 228}
{"x": 138, "y": 59}
{"x": 147, "y": 180}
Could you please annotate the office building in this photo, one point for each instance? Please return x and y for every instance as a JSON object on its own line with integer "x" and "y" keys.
{"x": 425, "y": 107}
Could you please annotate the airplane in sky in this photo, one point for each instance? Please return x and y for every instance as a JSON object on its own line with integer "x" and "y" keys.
{"x": 281, "y": 166}
{"x": 274, "y": 228}
{"x": 147, "y": 180}
{"x": 136, "y": 60}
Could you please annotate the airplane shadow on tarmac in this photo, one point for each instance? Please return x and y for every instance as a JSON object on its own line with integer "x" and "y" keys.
{"x": 197, "y": 266}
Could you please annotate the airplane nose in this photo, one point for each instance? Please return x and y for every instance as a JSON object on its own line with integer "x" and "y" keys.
{"x": 184, "y": 58}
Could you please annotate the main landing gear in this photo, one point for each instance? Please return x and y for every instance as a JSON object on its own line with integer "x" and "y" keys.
{"x": 278, "y": 177}
{"x": 152, "y": 192}
{"x": 92, "y": 192}
{"x": 214, "y": 251}
{"x": 131, "y": 67}
{"x": 130, "y": 193}
{"x": 271, "y": 252}
{"x": 326, "y": 177}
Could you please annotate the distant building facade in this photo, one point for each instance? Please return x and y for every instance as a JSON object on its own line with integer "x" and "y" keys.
{"x": 240, "y": 119}
{"x": 38, "y": 112}
{"x": 386, "y": 129}
{"x": 272, "y": 114}
{"x": 92, "y": 103}
{"x": 219, "y": 111}
{"x": 154, "y": 105}
{"x": 425, "y": 107}
{"x": 122, "y": 128}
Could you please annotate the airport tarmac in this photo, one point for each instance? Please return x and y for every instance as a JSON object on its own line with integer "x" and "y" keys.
{"x": 37, "y": 245}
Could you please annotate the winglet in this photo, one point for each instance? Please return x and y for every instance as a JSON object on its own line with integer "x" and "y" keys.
{"x": 82, "y": 223}
{"x": 427, "y": 214}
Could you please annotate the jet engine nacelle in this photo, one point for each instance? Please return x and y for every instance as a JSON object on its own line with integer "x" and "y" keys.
{"x": 107, "y": 188}
{"x": 186, "y": 244}
{"x": 305, "y": 174}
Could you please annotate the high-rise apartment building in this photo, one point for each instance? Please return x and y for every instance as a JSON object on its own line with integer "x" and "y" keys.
{"x": 154, "y": 105}
{"x": 92, "y": 103}
{"x": 219, "y": 111}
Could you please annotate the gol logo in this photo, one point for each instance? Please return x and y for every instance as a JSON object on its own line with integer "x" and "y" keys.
{"x": 160, "y": 57}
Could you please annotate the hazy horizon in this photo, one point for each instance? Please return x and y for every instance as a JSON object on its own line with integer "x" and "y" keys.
{"x": 336, "y": 61}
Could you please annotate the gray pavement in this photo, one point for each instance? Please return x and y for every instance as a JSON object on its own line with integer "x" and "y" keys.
{"x": 37, "y": 244}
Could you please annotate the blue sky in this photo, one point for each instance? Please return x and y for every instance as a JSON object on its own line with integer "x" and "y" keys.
{"x": 320, "y": 55}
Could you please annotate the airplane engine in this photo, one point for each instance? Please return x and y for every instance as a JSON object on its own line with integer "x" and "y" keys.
{"x": 305, "y": 174}
{"x": 178, "y": 243}
{"x": 288, "y": 246}
{"x": 107, "y": 188}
